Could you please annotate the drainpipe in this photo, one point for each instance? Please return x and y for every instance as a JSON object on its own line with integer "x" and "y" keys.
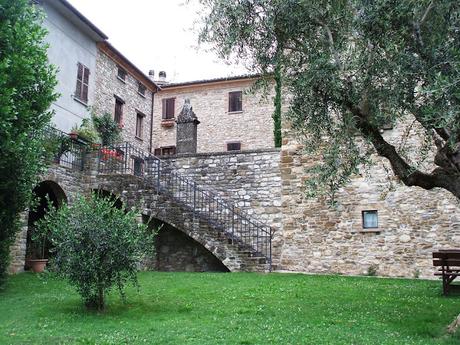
{"x": 151, "y": 122}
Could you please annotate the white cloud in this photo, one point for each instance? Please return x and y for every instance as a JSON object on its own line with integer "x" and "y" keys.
{"x": 156, "y": 34}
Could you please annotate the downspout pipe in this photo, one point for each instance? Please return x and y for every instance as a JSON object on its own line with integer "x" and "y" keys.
{"x": 151, "y": 122}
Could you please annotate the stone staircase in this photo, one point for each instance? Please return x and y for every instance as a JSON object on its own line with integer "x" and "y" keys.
{"x": 238, "y": 240}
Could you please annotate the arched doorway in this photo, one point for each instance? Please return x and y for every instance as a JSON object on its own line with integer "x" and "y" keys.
{"x": 44, "y": 193}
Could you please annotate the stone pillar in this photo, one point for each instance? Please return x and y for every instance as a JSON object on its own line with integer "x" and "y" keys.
{"x": 187, "y": 127}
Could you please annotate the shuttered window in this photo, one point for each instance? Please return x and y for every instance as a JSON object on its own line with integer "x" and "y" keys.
{"x": 168, "y": 107}
{"x": 121, "y": 74}
{"x": 139, "y": 125}
{"x": 141, "y": 89}
{"x": 235, "y": 101}
{"x": 118, "y": 114}
{"x": 81, "y": 90}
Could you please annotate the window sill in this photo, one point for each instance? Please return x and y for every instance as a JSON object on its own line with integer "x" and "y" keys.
{"x": 78, "y": 100}
{"x": 168, "y": 123}
{"x": 140, "y": 94}
{"x": 371, "y": 230}
{"x": 235, "y": 112}
{"x": 138, "y": 138}
{"x": 122, "y": 80}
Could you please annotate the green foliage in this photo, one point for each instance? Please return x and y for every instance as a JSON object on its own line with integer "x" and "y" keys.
{"x": 277, "y": 103}
{"x": 87, "y": 131}
{"x": 27, "y": 82}
{"x": 96, "y": 246}
{"x": 109, "y": 131}
{"x": 178, "y": 308}
{"x": 56, "y": 144}
{"x": 351, "y": 67}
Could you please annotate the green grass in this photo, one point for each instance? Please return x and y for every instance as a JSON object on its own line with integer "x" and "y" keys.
{"x": 237, "y": 308}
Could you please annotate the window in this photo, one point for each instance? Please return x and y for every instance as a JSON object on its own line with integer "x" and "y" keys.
{"x": 121, "y": 74}
{"x": 81, "y": 90}
{"x": 235, "y": 101}
{"x": 141, "y": 89}
{"x": 370, "y": 219}
{"x": 118, "y": 115}
{"x": 165, "y": 151}
{"x": 234, "y": 146}
{"x": 168, "y": 108}
{"x": 139, "y": 124}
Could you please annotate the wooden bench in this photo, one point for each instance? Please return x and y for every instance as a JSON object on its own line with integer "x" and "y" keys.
{"x": 449, "y": 262}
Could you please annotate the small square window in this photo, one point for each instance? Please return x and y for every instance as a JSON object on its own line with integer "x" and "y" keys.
{"x": 234, "y": 146}
{"x": 121, "y": 74}
{"x": 370, "y": 219}
{"x": 235, "y": 101}
{"x": 141, "y": 89}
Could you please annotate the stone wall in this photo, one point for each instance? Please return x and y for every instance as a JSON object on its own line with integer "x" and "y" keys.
{"x": 251, "y": 179}
{"x": 177, "y": 252}
{"x": 317, "y": 239}
{"x": 108, "y": 85}
{"x": 253, "y": 126}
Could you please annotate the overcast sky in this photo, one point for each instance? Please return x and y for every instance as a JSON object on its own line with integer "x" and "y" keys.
{"x": 157, "y": 34}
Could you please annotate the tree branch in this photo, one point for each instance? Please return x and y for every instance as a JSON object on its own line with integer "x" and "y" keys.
{"x": 407, "y": 174}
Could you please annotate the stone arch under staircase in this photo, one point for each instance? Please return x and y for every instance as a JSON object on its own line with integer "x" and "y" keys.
{"x": 235, "y": 238}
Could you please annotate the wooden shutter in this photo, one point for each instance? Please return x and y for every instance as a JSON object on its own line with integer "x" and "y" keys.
{"x": 118, "y": 118}
{"x": 85, "y": 84}
{"x": 168, "y": 107}
{"x": 81, "y": 89}
{"x": 235, "y": 101}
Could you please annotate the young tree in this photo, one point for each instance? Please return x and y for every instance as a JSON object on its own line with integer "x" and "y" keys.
{"x": 97, "y": 246}
{"x": 352, "y": 66}
{"x": 27, "y": 84}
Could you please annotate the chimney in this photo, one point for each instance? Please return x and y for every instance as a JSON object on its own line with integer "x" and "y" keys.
{"x": 152, "y": 74}
{"x": 162, "y": 76}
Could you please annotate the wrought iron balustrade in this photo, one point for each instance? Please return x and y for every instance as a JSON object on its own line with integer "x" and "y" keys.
{"x": 64, "y": 150}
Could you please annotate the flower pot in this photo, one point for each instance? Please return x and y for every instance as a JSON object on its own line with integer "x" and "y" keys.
{"x": 37, "y": 265}
{"x": 73, "y": 135}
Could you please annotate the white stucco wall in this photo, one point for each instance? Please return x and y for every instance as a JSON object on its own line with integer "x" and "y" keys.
{"x": 69, "y": 45}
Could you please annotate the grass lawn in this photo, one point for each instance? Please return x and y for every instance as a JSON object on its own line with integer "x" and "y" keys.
{"x": 236, "y": 308}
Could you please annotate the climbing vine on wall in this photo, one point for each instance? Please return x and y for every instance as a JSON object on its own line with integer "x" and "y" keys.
{"x": 277, "y": 113}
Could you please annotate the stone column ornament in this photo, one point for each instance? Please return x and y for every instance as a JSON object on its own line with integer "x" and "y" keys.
{"x": 187, "y": 126}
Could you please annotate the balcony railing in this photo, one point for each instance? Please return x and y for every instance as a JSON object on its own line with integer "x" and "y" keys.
{"x": 64, "y": 150}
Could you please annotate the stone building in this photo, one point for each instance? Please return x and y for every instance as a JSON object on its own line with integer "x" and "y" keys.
{"x": 72, "y": 40}
{"x": 127, "y": 93}
{"x": 237, "y": 167}
{"x": 231, "y": 117}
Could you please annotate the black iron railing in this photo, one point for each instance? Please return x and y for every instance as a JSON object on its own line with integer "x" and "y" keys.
{"x": 121, "y": 159}
{"x": 238, "y": 225}
{"x": 64, "y": 150}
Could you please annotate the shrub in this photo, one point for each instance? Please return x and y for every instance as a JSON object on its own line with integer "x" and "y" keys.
{"x": 96, "y": 246}
{"x": 109, "y": 131}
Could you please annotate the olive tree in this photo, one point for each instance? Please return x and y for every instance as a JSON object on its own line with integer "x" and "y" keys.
{"x": 96, "y": 246}
{"x": 352, "y": 67}
{"x": 27, "y": 84}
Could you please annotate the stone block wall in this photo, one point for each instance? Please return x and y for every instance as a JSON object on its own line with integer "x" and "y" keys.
{"x": 317, "y": 239}
{"x": 253, "y": 126}
{"x": 251, "y": 179}
{"x": 108, "y": 85}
